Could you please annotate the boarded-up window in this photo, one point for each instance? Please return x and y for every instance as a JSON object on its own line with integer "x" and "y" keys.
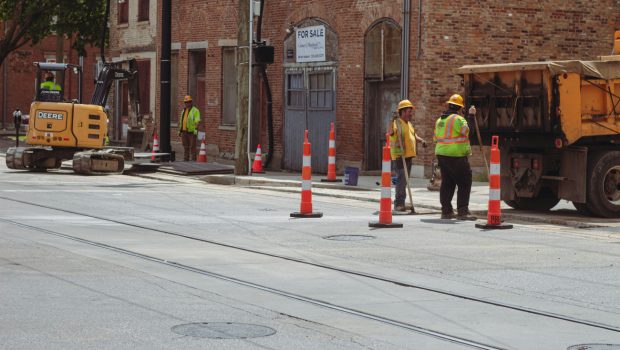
{"x": 229, "y": 86}
{"x": 123, "y": 11}
{"x": 295, "y": 91}
{"x": 124, "y": 99}
{"x": 383, "y": 51}
{"x": 320, "y": 90}
{"x": 174, "y": 88}
{"x": 143, "y": 10}
{"x": 196, "y": 80}
{"x": 144, "y": 79}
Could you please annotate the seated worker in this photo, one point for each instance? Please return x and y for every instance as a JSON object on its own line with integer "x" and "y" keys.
{"x": 49, "y": 83}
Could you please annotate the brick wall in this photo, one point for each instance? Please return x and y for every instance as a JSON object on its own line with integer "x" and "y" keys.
{"x": 451, "y": 35}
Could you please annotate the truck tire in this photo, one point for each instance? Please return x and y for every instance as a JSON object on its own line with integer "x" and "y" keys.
{"x": 603, "y": 184}
{"x": 545, "y": 200}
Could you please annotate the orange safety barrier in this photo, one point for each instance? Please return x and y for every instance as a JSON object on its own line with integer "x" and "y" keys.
{"x": 306, "y": 185}
{"x": 385, "y": 210}
{"x": 331, "y": 159}
{"x": 202, "y": 154}
{"x": 494, "y": 213}
{"x": 257, "y": 166}
{"x": 155, "y": 146}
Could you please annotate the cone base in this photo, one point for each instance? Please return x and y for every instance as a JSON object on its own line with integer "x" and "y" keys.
{"x": 329, "y": 180}
{"x": 308, "y": 215}
{"x": 381, "y": 225}
{"x": 494, "y": 227}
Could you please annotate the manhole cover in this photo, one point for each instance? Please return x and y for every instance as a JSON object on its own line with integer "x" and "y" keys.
{"x": 223, "y": 330}
{"x": 595, "y": 347}
{"x": 349, "y": 237}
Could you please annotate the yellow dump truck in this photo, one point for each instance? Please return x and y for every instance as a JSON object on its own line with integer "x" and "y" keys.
{"x": 559, "y": 129}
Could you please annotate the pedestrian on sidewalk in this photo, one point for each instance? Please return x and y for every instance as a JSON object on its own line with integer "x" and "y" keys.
{"x": 409, "y": 138}
{"x": 188, "y": 128}
{"x": 452, "y": 150}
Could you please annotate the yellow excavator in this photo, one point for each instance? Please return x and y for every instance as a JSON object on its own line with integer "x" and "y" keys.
{"x": 61, "y": 128}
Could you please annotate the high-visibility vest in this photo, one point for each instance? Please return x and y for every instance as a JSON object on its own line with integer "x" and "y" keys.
{"x": 407, "y": 137}
{"x": 49, "y": 85}
{"x": 193, "y": 118}
{"x": 452, "y": 136}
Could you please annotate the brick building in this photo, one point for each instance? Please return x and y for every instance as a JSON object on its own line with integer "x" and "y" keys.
{"x": 357, "y": 82}
{"x": 18, "y": 75}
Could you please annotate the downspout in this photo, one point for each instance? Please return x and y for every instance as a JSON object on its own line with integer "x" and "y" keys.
{"x": 250, "y": 69}
{"x": 5, "y": 74}
{"x": 404, "y": 67}
{"x": 419, "y": 53}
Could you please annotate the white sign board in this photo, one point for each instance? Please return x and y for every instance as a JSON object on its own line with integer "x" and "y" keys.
{"x": 310, "y": 44}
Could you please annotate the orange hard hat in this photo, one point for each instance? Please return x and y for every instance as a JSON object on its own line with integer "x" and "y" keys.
{"x": 187, "y": 98}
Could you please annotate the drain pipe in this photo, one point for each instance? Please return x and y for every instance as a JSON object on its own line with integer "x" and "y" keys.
{"x": 419, "y": 53}
{"x": 404, "y": 67}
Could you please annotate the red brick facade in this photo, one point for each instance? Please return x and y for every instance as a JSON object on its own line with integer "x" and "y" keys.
{"x": 449, "y": 35}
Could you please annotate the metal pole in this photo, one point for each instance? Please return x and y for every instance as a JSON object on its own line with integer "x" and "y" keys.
{"x": 164, "y": 101}
{"x": 404, "y": 78}
{"x": 250, "y": 45}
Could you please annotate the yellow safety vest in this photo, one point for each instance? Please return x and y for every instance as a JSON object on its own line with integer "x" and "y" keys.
{"x": 407, "y": 137}
{"x": 190, "y": 120}
{"x": 452, "y": 136}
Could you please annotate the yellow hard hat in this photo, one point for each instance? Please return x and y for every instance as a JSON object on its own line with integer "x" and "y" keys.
{"x": 456, "y": 99}
{"x": 187, "y": 98}
{"x": 404, "y": 104}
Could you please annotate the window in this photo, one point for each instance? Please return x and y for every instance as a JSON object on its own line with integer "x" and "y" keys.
{"x": 295, "y": 91}
{"x": 144, "y": 79}
{"x": 174, "y": 88}
{"x": 196, "y": 80}
{"x": 229, "y": 86}
{"x": 383, "y": 51}
{"x": 123, "y": 11}
{"x": 320, "y": 90}
{"x": 143, "y": 10}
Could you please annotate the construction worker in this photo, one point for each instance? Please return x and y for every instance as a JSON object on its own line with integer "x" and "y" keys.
{"x": 409, "y": 138}
{"x": 49, "y": 83}
{"x": 188, "y": 128}
{"x": 452, "y": 150}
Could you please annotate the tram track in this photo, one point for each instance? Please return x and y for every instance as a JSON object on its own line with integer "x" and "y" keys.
{"x": 300, "y": 261}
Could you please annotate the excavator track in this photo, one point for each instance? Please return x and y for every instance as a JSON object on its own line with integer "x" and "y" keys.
{"x": 98, "y": 163}
{"x": 32, "y": 158}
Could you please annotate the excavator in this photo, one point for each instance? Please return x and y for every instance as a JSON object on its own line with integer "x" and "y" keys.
{"x": 62, "y": 129}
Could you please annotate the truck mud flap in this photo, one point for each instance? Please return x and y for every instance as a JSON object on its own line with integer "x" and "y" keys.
{"x": 573, "y": 169}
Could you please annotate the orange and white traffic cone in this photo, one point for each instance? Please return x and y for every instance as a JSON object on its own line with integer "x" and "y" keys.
{"x": 202, "y": 154}
{"x": 331, "y": 158}
{"x": 494, "y": 213}
{"x": 385, "y": 211}
{"x": 306, "y": 185}
{"x": 155, "y": 147}
{"x": 257, "y": 166}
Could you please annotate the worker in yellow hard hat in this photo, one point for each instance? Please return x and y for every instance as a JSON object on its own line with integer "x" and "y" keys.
{"x": 188, "y": 128}
{"x": 403, "y": 148}
{"x": 452, "y": 149}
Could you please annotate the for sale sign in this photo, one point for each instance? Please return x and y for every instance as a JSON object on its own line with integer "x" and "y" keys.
{"x": 310, "y": 44}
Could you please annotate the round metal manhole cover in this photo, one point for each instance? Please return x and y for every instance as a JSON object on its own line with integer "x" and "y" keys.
{"x": 349, "y": 237}
{"x": 594, "y": 347}
{"x": 223, "y": 330}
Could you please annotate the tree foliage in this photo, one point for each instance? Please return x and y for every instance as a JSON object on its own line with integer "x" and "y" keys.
{"x": 30, "y": 21}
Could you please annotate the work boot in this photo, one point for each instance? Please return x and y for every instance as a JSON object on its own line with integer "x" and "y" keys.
{"x": 465, "y": 215}
{"x": 400, "y": 208}
{"x": 447, "y": 216}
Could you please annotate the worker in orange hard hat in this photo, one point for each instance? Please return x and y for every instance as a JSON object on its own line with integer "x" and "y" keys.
{"x": 403, "y": 149}
{"x": 188, "y": 128}
{"x": 452, "y": 149}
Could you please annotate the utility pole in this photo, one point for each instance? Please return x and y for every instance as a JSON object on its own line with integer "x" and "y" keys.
{"x": 164, "y": 99}
{"x": 244, "y": 46}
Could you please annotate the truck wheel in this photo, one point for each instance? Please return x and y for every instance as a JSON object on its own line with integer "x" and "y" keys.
{"x": 603, "y": 186}
{"x": 545, "y": 200}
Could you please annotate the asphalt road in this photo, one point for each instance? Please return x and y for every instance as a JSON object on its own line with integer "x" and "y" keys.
{"x": 122, "y": 262}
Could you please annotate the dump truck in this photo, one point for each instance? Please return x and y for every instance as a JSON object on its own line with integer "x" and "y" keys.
{"x": 62, "y": 127}
{"x": 559, "y": 128}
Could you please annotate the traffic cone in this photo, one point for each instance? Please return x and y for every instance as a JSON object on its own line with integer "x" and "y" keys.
{"x": 494, "y": 213}
{"x": 257, "y": 166}
{"x": 331, "y": 159}
{"x": 306, "y": 185}
{"x": 155, "y": 146}
{"x": 385, "y": 211}
{"x": 202, "y": 154}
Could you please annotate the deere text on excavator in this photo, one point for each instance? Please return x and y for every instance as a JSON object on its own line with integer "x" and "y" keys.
{"x": 60, "y": 129}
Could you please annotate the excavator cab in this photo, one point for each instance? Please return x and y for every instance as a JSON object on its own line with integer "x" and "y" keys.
{"x": 49, "y": 82}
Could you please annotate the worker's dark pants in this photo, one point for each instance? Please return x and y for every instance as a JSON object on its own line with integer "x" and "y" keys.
{"x": 401, "y": 180}
{"x": 455, "y": 171}
{"x": 189, "y": 145}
